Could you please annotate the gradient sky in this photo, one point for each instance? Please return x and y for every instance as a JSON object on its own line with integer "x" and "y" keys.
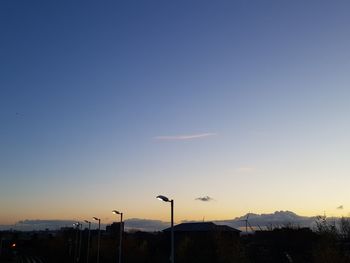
{"x": 105, "y": 104}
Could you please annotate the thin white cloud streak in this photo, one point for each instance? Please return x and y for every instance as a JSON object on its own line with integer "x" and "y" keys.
{"x": 245, "y": 169}
{"x": 185, "y": 137}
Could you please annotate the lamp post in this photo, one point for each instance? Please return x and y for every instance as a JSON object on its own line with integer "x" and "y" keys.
{"x": 88, "y": 242}
{"x": 120, "y": 233}
{"x": 0, "y": 246}
{"x": 80, "y": 227}
{"x": 77, "y": 242}
{"x": 99, "y": 238}
{"x": 171, "y": 201}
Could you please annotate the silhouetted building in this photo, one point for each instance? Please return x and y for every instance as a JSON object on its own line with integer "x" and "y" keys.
{"x": 200, "y": 242}
{"x": 114, "y": 228}
{"x": 297, "y": 244}
{"x": 203, "y": 228}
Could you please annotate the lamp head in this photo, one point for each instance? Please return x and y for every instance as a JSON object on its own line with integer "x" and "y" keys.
{"x": 163, "y": 198}
{"x": 116, "y": 212}
{"x": 96, "y": 218}
{"x": 88, "y": 222}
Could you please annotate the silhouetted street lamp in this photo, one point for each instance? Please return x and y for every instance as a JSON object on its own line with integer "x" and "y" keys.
{"x": 99, "y": 238}
{"x": 166, "y": 199}
{"x": 1, "y": 245}
{"x": 78, "y": 225}
{"x": 120, "y": 233}
{"x": 88, "y": 242}
{"x": 76, "y": 242}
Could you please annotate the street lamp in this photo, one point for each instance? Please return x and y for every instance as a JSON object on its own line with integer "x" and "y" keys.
{"x": 171, "y": 201}
{"x": 76, "y": 242}
{"x": 0, "y": 246}
{"x": 120, "y": 233}
{"x": 78, "y": 226}
{"x": 88, "y": 242}
{"x": 99, "y": 238}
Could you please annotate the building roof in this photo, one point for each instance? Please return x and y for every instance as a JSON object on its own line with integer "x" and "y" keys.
{"x": 201, "y": 227}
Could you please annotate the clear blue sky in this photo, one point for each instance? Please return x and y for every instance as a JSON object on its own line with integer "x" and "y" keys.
{"x": 88, "y": 87}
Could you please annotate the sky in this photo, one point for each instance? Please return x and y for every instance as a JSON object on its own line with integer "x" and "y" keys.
{"x": 104, "y": 105}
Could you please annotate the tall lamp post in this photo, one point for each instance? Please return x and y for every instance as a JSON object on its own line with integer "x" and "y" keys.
{"x": 166, "y": 199}
{"x": 88, "y": 242}
{"x": 75, "y": 243}
{"x": 99, "y": 238}
{"x": 120, "y": 233}
{"x": 78, "y": 226}
{"x": 0, "y": 245}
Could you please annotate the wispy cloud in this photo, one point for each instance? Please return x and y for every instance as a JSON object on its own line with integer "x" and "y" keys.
{"x": 245, "y": 169}
{"x": 184, "y": 137}
{"x": 341, "y": 207}
{"x": 204, "y": 199}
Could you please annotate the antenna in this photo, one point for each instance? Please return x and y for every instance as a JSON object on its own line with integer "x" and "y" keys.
{"x": 250, "y": 226}
{"x": 247, "y": 223}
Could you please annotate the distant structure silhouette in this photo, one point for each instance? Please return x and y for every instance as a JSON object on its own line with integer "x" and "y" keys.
{"x": 201, "y": 228}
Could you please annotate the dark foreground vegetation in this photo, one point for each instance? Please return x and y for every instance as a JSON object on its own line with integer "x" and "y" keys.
{"x": 324, "y": 244}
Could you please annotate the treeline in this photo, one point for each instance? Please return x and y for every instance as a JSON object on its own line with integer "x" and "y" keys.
{"x": 327, "y": 243}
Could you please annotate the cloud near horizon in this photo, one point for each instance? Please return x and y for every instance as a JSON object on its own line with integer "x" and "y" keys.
{"x": 145, "y": 224}
{"x": 204, "y": 199}
{"x": 141, "y": 224}
{"x": 340, "y": 207}
{"x": 278, "y": 218}
{"x": 184, "y": 137}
